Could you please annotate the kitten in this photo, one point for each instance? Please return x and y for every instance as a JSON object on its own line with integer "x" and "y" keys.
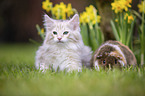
{"x": 63, "y": 48}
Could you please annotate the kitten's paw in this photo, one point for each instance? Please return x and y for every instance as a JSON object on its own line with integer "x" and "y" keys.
{"x": 43, "y": 67}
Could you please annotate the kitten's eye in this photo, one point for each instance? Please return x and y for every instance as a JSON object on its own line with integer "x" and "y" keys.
{"x": 104, "y": 61}
{"x": 65, "y": 33}
{"x": 55, "y": 33}
{"x": 115, "y": 61}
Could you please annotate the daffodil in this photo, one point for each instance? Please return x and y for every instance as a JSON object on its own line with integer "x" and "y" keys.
{"x": 90, "y": 16}
{"x": 141, "y": 6}
{"x": 98, "y": 18}
{"x": 120, "y": 5}
{"x": 129, "y": 17}
{"x": 69, "y": 10}
{"x": 116, "y": 20}
{"x": 126, "y": 15}
{"x": 90, "y": 9}
{"x": 83, "y": 18}
{"x": 47, "y": 5}
{"x": 42, "y": 31}
{"x": 60, "y": 11}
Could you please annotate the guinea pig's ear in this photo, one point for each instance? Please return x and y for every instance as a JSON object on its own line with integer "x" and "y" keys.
{"x": 99, "y": 57}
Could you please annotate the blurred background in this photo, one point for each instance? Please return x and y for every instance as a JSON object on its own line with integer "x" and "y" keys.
{"x": 18, "y": 18}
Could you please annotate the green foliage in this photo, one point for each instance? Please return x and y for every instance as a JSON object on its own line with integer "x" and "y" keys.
{"x": 85, "y": 34}
{"x": 92, "y": 35}
{"x": 123, "y": 28}
{"x": 141, "y": 30}
{"x": 142, "y": 38}
{"x": 18, "y": 77}
{"x": 40, "y": 31}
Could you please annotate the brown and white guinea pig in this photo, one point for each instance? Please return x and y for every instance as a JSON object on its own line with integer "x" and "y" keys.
{"x": 113, "y": 54}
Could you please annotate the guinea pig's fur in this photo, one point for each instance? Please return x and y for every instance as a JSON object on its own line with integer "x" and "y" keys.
{"x": 113, "y": 54}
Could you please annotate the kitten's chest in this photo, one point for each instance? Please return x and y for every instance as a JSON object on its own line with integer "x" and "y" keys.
{"x": 59, "y": 56}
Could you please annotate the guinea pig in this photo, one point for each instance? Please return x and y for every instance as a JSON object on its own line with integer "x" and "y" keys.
{"x": 113, "y": 54}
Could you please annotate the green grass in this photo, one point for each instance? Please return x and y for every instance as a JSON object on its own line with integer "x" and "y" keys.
{"x": 18, "y": 77}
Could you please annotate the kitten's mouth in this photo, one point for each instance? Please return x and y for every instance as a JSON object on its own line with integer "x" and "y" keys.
{"x": 59, "y": 42}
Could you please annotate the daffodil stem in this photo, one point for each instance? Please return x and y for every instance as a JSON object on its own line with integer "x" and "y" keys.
{"x": 125, "y": 29}
{"x": 137, "y": 14}
{"x": 129, "y": 37}
{"x": 75, "y": 11}
{"x": 84, "y": 32}
{"x": 99, "y": 35}
{"x": 142, "y": 38}
{"x": 52, "y": 14}
{"x": 39, "y": 30}
{"x": 115, "y": 30}
{"x": 93, "y": 41}
{"x": 122, "y": 28}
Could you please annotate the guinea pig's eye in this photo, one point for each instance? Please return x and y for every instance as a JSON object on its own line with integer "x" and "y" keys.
{"x": 104, "y": 61}
{"x": 115, "y": 61}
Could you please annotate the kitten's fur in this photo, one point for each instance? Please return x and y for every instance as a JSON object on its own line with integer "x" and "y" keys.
{"x": 63, "y": 47}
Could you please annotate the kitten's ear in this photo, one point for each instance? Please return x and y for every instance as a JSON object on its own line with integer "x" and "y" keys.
{"x": 48, "y": 22}
{"x": 74, "y": 22}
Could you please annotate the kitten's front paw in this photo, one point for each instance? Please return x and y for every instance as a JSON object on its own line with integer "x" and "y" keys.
{"x": 43, "y": 67}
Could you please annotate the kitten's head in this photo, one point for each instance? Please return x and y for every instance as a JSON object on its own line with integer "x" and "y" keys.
{"x": 61, "y": 31}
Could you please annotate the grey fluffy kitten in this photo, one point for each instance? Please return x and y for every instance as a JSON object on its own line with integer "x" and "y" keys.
{"x": 63, "y": 47}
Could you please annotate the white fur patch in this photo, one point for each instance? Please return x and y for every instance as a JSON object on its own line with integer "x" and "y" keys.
{"x": 96, "y": 65}
{"x": 121, "y": 62}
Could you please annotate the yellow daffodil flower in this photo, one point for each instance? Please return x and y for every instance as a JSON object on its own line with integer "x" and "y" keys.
{"x": 47, "y": 5}
{"x": 98, "y": 19}
{"x": 90, "y": 16}
{"x": 126, "y": 15}
{"x": 116, "y": 20}
{"x": 130, "y": 18}
{"x": 120, "y": 5}
{"x": 60, "y": 11}
{"x": 42, "y": 31}
{"x": 141, "y": 6}
{"x": 69, "y": 10}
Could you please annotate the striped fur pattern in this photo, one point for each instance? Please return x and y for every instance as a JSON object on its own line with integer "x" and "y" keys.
{"x": 63, "y": 48}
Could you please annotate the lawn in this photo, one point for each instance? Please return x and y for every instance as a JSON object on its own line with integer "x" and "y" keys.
{"x": 18, "y": 77}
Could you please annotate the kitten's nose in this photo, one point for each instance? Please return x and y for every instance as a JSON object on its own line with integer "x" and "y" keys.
{"x": 59, "y": 38}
